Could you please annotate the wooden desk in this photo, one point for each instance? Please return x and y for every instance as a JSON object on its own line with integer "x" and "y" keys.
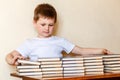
{"x": 96, "y": 77}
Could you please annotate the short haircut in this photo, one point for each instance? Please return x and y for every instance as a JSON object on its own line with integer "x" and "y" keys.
{"x": 45, "y": 10}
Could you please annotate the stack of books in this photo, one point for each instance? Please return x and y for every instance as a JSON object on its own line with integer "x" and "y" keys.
{"x": 51, "y": 68}
{"x": 93, "y": 65}
{"x": 73, "y": 66}
{"x": 111, "y": 63}
{"x": 29, "y": 68}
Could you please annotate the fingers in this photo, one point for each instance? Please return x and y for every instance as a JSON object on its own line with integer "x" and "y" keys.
{"x": 105, "y": 51}
{"x": 14, "y": 61}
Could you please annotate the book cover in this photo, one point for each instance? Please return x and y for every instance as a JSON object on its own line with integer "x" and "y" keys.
{"x": 49, "y": 59}
{"x": 29, "y": 70}
{"x": 27, "y": 66}
{"x": 52, "y": 69}
{"x": 28, "y": 62}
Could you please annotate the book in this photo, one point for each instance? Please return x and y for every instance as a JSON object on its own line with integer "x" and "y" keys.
{"x": 111, "y": 62}
{"x": 28, "y": 62}
{"x": 94, "y": 67}
{"x": 47, "y": 65}
{"x": 29, "y": 73}
{"x": 35, "y": 76}
{"x": 74, "y": 74}
{"x": 112, "y": 71}
{"x": 27, "y": 66}
{"x": 73, "y": 71}
{"x": 72, "y": 65}
{"x": 52, "y": 72}
{"x": 91, "y": 61}
{"x": 52, "y": 75}
{"x": 93, "y": 64}
{"x": 72, "y": 58}
{"x": 112, "y": 65}
{"x": 52, "y": 78}
{"x": 74, "y": 68}
{"x": 94, "y": 73}
{"x": 111, "y": 59}
{"x": 70, "y": 62}
{"x": 29, "y": 70}
{"x": 49, "y": 59}
{"x": 113, "y": 68}
{"x": 51, "y": 62}
{"x": 52, "y": 69}
{"x": 94, "y": 70}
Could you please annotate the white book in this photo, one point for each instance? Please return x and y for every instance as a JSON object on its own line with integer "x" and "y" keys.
{"x": 29, "y": 70}
{"x": 51, "y": 69}
{"x": 52, "y": 72}
{"x": 94, "y": 73}
{"x": 51, "y": 62}
{"x": 94, "y": 70}
{"x": 111, "y": 59}
{"x": 111, "y": 62}
{"x": 74, "y": 74}
{"x": 112, "y": 71}
{"x": 116, "y": 68}
{"x": 27, "y": 66}
{"x": 72, "y": 65}
{"x": 92, "y": 64}
{"x": 73, "y": 71}
{"x": 52, "y": 78}
{"x": 49, "y": 59}
{"x": 93, "y": 61}
{"x": 30, "y": 73}
{"x": 53, "y": 75}
{"x": 70, "y": 62}
{"x": 72, "y": 58}
{"x": 94, "y": 67}
{"x": 36, "y": 76}
{"x": 55, "y": 65}
{"x": 73, "y": 68}
{"x": 28, "y": 62}
{"x": 113, "y": 65}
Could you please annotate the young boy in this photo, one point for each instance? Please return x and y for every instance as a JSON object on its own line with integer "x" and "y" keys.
{"x": 46, "y": 45}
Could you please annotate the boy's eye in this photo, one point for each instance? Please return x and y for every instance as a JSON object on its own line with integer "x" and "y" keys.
{"x": 42, "y": 24}
{"x": 51, "y": 25}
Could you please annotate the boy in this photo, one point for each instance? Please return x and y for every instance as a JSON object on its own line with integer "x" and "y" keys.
{"x": 46, "y": 45}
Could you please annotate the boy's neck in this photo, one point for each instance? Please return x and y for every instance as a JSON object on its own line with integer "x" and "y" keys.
{"x": 44, "y": 37}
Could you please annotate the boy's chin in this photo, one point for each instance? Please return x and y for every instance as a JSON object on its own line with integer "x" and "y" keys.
{"x": 47, "y": 36}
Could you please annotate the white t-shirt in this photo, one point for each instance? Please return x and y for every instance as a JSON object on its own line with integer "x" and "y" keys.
{"x": 45, "y": 47}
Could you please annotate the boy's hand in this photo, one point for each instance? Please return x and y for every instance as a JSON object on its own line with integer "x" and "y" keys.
{"x": 14, "y": 61}
{"x": 105, "y": 51}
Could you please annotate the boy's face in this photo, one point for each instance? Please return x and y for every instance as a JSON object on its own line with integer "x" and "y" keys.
{"x": 44, "y": 26}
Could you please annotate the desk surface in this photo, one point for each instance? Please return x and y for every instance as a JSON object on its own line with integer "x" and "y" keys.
{"x": 75, "y": 78}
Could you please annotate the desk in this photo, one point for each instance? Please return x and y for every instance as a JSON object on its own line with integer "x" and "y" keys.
{"x": 95, "y": 77}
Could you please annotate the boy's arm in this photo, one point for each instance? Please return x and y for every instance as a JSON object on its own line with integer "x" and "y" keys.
{"x": 87, "y": 51}
{"x": 12, "y": 57}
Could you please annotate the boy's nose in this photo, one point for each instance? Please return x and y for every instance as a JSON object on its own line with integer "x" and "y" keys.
{"x": 47, "y": 27}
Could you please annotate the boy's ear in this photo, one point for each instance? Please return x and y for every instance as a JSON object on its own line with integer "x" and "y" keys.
{"x": 34, "y": 22}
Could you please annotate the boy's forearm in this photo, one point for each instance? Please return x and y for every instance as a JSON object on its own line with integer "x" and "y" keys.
{"x": 87, "y": 51}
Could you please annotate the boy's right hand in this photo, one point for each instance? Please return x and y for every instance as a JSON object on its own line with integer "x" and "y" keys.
{"x": 15, "y": 58}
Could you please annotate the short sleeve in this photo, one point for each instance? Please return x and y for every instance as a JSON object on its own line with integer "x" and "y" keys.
{"x": 24, "y": 49}
{"x": 67, "y": 46}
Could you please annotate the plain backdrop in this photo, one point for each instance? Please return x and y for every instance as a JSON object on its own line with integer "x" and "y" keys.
{"x": 87, "y": 23}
